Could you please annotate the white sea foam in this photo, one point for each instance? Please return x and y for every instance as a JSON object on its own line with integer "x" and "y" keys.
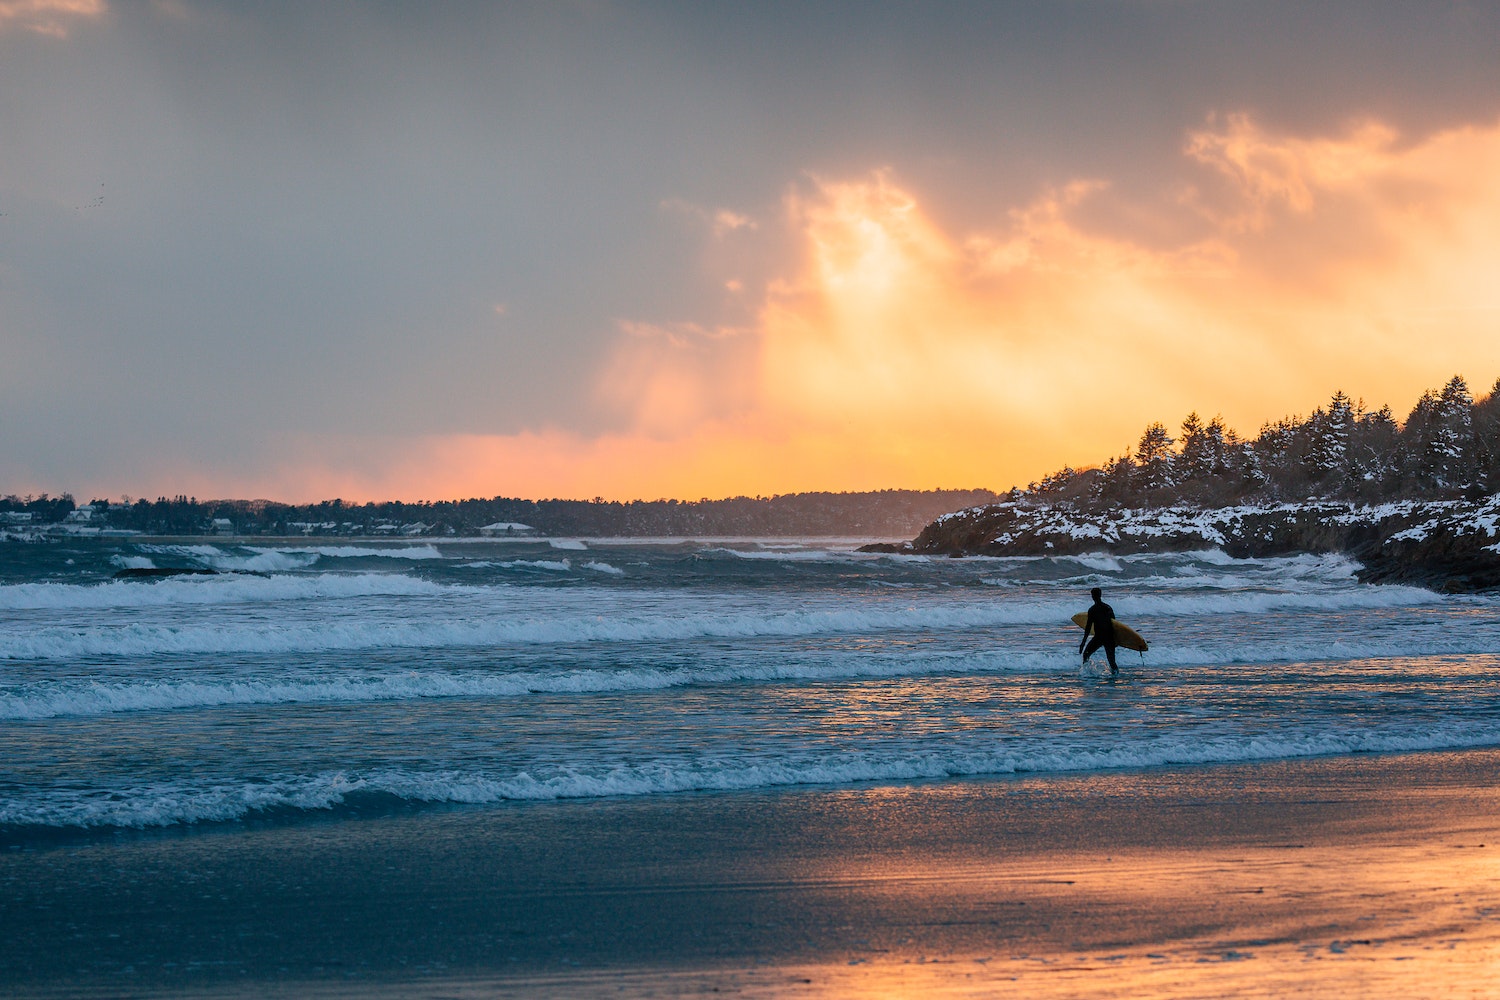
{"x": 199, "y": 590}
{"x": 501, "y": 619}
{"x": 93, "y": 698}
{"x": 185, "y": 802}
{"x": 268, "y": 561}
{"x": 281, "y": 559}
{"x": 1203, "y": 571}
{"x": 194, "y": 551}
{"x": 792, "y": 555}
{"x": 1102, "y": 563}
{"x": 251, "y": 561}
{"x": 570, "y": 544}
{"x": 605, "y": 568}
{"x": 550, "y": 565}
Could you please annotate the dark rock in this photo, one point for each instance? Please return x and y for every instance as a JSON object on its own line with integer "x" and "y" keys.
{"x": 1447, "y": 545}
{"x": 151, "y": 572}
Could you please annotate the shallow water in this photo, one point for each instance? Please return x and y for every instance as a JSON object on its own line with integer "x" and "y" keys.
{"x": 309, "y": 677}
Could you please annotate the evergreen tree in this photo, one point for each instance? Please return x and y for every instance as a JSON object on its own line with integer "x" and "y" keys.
{"x": 1416, "y": 432}
{"x": 1449, "y": 444}
{"x": 1328, "y": 442}
{"x": 1060, "y": 485}
{"x": 1452, "y": 444}
{"x": 1216, "y": 445}
{"x": 1154, "y": 460}
{"x": 1372, "y": 458}
{"x": 1437, "y": 442}
{"x": 1244, "y": 470}
{"x": 1276, "y": 449}
{"x": 1195, "y": 463}
{"x": 1203, "y": 464}
{"x": 1486, "y": 423}
{"x": 1115, "y": 486}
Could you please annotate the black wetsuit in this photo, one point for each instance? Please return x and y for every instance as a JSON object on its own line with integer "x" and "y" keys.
{"x": 1101, "y": 622}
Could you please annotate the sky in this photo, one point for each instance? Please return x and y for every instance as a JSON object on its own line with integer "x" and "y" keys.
{"x": 639, "y": 250}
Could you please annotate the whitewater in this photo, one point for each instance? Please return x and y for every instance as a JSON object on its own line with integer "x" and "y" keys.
{"x": 299, "y": 680}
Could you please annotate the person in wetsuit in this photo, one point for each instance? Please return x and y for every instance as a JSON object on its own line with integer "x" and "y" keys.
{"x": 1101, "y": 622}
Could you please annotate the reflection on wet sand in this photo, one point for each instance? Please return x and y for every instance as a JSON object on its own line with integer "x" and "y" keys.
{"x": 1348, "y": 876}
{"x": 1370, "y": 888}
{"x": 1420, "y": 919}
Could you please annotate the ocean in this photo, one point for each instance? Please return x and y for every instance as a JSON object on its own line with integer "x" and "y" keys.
{"x": 327, "y": 678}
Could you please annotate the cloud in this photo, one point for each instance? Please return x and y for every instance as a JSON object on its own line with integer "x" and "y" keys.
{"x": 892, "y": 350}
{"x": 47, "y": 17}
{"x": 1276, "y": 170}
{"x": 664, "y": 380}
{"x": 720, "y": 221}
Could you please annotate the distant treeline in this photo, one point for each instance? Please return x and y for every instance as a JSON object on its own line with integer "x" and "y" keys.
{"x": 884, "y": 513}
{"x": 1448, "y": 446}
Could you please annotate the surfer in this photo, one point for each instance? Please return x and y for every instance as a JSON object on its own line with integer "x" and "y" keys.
{"x": 1101, "y": 622}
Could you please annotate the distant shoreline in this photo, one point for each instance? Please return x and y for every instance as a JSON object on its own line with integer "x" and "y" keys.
{"x": 360, "y": 541}
{"x": 866, "y": 515}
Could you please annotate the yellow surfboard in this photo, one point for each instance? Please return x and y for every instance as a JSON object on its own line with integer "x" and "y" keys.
{"x": 1125, "y": 636}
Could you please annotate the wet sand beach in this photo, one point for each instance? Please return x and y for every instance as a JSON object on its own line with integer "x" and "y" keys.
{"x": 1377, "y": 875}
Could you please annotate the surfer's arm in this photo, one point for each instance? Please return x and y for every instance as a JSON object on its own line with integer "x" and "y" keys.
{"x": 1088, "y": 626}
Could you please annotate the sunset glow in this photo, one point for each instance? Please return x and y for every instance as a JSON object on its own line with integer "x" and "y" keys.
{"x": 869, "y": 317}
{"x": 888, "y": 350}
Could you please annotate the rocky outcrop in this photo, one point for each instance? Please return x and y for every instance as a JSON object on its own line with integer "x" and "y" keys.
{"x": 1447, "y": 545}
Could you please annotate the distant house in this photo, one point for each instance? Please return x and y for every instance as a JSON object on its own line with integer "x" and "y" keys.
{"x": 312, "y": 527}
{"x": 507, "y": 529}
{"x": 78, "y": 521}
{"x": 15, "y": 517}
{"x": 223, "y": 526}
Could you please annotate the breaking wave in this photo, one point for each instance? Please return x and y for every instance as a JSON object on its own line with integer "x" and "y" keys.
{"x": 170, "y": 804}
{"x": 496, "y": 616}
{"x": 198, "y": 590}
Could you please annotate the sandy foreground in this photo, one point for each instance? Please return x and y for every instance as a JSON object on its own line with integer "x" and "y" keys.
{"x": 1355, "y": 876}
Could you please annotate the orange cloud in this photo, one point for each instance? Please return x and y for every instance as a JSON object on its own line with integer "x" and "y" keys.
{"x": 666, "y": 380}
{"x": 1294, "y": 171}
{"x": 893, "y": 352}
{"x": 47, "y": 17}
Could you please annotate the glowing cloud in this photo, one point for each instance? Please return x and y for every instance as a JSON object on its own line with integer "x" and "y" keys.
{"x": 47, "y": 17}
{"x": 892, "y": 352}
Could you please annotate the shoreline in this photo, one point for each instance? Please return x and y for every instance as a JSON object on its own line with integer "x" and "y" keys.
{"x": 407, "y": 541}
{"x": 1177, "y": 881}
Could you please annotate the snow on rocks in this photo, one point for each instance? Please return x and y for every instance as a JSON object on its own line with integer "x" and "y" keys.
{"x": 1445, "y": 544}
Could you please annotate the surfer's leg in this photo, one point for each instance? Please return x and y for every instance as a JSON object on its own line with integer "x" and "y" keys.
{"x": 1092, "y": 648}
{"x": 1109, "y": 653}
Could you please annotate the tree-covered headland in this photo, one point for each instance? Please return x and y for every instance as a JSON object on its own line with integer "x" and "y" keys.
{"x": 1448, "y": 446}
{"x": 1415, "y": 501}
